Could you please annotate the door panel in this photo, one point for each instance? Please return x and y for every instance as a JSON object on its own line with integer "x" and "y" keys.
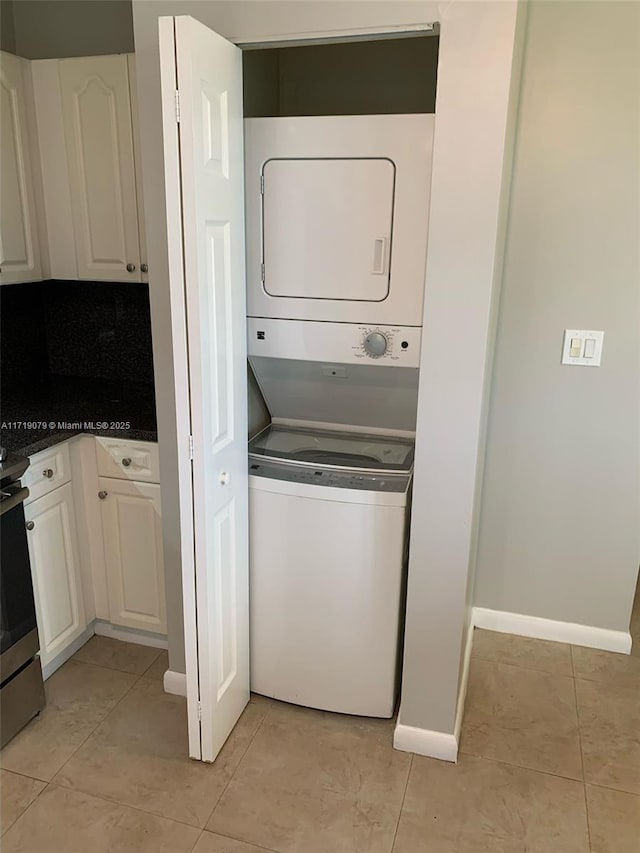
{"x": 220, "y": 302}
{"x": 132, "y": 528}
{"x": 55, "y": 567}
{"x": 99, "y": 141}
{"x": 211, "y": 183}
{"x": 19, "y": 255}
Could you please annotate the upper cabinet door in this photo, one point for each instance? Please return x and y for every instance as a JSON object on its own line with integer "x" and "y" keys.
{"x": 19, "y": 255}
{"x": 137, "y": 155}
{"x": 99, "y": 140}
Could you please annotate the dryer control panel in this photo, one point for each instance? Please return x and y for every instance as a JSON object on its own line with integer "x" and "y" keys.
{"x": 334, "y": 343}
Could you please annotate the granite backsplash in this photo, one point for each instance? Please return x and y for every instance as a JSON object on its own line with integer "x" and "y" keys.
{"x": 74, "y": 352}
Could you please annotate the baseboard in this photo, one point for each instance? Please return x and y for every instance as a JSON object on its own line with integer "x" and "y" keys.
{"x": 130, "y": 635}
{"x": 550, "y": 629}
{"x": 65, "y": 654}
{"x": 426, "y": 742}
{"x": 442, "y": 745}
{"x": 175, "y": 683}
{"x": 464, "y": 681}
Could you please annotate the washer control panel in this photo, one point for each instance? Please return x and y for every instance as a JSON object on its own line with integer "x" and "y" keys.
{"x": 366, "y": 482}
{"x": 341, "y": 343}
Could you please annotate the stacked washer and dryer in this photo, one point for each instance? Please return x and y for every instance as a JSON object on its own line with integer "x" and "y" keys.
{"x": 337, "y": 222}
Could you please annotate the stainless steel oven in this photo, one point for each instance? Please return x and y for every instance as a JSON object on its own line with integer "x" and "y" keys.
{"x": 21, "y": 685}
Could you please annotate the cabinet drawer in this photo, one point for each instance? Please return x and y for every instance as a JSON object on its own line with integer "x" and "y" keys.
{"x": 48, "y": 469}
{"x": 128, "y": 460}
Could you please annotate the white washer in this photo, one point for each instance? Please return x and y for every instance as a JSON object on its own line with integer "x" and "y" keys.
{"x": 328, "y": 526}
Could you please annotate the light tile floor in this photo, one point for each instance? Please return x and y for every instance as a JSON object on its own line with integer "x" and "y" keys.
{"x": 549, "y": 763}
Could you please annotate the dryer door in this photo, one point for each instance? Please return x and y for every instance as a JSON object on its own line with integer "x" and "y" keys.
{"x": 337, "y": 215}
{"x": 327, "y": 228}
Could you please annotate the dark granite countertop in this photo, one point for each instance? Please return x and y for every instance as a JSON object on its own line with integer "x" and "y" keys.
{"x": 42, "y": 415}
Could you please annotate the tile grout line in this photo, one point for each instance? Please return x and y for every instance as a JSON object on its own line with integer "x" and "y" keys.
{"x": 239, "y": 841}
{"x": 154, "y": 661}
{"x": 24, "y": 775}
{"x": 5, "y": 829}
{"x": 404, "y": 796}
{"x": 123, "y": 805}
{"x": 548, "y": 773}
{"x": 97, "y": 725}
{"x": 521, "y": 666}
{"x": 522, "y": 767}
{"x": 112, "y": 668}
{"x": 235, "y": 770}
{"x": 584, "y": 783}
{"x": 525, "y": 668}
{"x": 196, "y": 842}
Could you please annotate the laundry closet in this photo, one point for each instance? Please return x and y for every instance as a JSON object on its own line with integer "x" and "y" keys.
{"x": 337, "y": 152}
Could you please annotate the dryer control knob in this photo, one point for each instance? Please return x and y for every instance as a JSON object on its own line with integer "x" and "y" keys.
{"x": 375, "y": 344}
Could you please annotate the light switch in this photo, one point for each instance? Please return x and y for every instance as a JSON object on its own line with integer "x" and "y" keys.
{"x": 582, "y": 347}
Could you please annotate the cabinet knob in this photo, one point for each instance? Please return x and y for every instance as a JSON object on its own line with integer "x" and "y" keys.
{"x": 126, "y": 461}
{"x": 131, "y": 267}
{"x": 30, "y": 525}
{"x": 102, "y": 495}
{"x": 48, "y": 473}
{"x": 144, "y": 267}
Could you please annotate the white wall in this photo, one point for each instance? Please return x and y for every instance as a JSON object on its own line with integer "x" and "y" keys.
{"x": 474, "y": 88}
{"x": 560, "y": 523}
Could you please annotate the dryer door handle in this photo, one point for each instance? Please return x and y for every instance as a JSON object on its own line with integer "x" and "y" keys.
{"x": 379, "y": 256}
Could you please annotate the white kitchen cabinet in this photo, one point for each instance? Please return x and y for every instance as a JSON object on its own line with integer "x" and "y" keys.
{"x": 98, "y": 133}
{"x": 19, "y": 247}
{"x": 132, "y": 533}
{"x": 55, "y": 567}
{"x": 137, "y": 156}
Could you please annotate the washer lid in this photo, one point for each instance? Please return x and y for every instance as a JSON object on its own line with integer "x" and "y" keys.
{"x": 333, "y": 449}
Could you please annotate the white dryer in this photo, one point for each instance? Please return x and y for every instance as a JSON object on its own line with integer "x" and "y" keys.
{"x": 328, "y": 535}
{"x": 337, "y": 213}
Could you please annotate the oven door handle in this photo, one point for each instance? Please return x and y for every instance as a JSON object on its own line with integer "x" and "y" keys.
{"x": 14, "y": 500}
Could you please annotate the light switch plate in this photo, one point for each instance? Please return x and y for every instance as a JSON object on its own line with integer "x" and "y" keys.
{"x": 585, "y": 342}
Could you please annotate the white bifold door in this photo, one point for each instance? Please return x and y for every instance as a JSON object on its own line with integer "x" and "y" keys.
{"x": 203, "y": 149}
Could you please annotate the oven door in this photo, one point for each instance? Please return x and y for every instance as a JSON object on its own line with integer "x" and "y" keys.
{"x": 18, "y": 612}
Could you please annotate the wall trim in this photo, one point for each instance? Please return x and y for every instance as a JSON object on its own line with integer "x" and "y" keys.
{"x": 551, "y": 629}
{"x": 130, "y": 635}
{"x": 442, "y": 745}
{"x": 426, "y": 742}
{"x": 464, "y": 681}
{"x": 175, "y": 683}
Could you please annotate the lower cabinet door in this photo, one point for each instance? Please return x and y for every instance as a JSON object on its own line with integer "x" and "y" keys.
{"x": 132, "y": 529}
{"x": 55, "y": 568}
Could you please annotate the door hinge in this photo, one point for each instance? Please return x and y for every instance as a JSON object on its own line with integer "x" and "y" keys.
{"x": 262, "y": 273}
{"x": 200, "y": 711}
{"x": 177, "y": 106}
{"x": 262, "y": 184}
{"x": 190, "y": 447}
